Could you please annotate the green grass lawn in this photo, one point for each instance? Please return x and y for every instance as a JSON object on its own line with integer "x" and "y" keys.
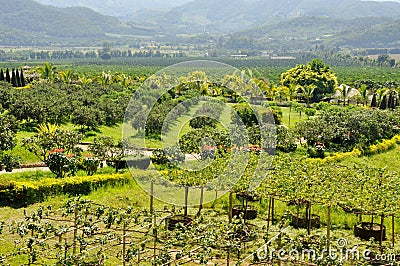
{"x": 389, "y": 159}
{"x": 294, "y": 117}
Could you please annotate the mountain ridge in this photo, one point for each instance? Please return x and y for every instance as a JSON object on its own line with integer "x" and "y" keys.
{"x": 223, "y": 16}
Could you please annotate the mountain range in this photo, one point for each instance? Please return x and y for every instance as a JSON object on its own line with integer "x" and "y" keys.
{"x": 260, "y": 23}
{"x": 117, "y": 8}
{"x": 226, "y": 16}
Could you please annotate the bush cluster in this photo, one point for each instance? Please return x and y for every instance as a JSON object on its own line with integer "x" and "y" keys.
{"x": 24, "y": 193}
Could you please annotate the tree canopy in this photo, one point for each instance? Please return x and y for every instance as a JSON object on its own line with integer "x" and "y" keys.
{"x": 315, "y": 73}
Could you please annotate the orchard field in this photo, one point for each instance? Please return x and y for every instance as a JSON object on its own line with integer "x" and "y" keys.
{"x": 330, "y": 172}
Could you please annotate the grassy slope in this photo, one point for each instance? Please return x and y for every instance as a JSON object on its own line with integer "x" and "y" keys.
{"x": 389, "y": 159}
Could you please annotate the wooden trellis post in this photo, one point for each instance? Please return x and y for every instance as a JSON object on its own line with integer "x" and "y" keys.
{"x": 230, "y": 207}
{"x": 124, "y": 245}
{"x": 75, "y": 229}
{"x": 393, "y": 220}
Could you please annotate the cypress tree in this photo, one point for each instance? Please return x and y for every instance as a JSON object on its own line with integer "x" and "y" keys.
{"x": 22, "y": 78}
{"x": 13, "y": 78}
{"x": 390, "y": 101}
{"x": 17, "y": 77}
{"x": 383, "y": 104}
{"x": 8, "y": 79}
{"x": 1, "y": 75}
{"x": 373, "y": 102}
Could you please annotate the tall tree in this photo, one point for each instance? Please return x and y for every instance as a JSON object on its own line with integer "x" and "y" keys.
{"x": 315, "y": 73}
{"x": 1, "y": 75}
{"x": 364, "y": 94}
{"x": 17, "y": 77}
{"x": 13, "y": 78}
{"x": 22, "y": 78}
{"x": 391, "y": 101}
{"x": 8, "y": 78}
{"x": 374, "y": 102}
{"x": 383, "y": 104}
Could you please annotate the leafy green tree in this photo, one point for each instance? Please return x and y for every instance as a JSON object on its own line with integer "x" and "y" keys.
{"x": 87, "y": 117}
{"x": 50, "y": 137}
{"x": 1, "y": 75}
{"x": 315, "y": 73}
{"x": 246, "y": 114}
{"x": 202, "y": 121}
{"x": 194, "y": 141}
{"x": 8, "y": 129}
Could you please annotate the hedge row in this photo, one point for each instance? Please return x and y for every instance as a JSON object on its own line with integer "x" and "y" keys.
{"x": 383, "y": 146}
{"x": 23, "y": 193}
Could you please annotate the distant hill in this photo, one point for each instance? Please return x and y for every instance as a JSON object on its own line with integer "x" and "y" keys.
{"x": 26, "y": 22}
{"x": 227, "y": 16}
{"x": 117, "y": 8}
{"x": 307, "y": 32}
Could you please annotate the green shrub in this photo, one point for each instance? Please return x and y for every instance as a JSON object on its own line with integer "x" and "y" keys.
{"x": 25, "y": 193}
{"x": 60, "y": 164}
{"x": 90, "y": 165}
{"x": 9, "y": 162}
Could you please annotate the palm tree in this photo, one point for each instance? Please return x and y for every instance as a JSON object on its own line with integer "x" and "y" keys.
{"x": 66, "y": 76}
{"x": 46, "y": 71}
{"x": 308, "y": 92}
{"x": 83, "y": 79}
{"x": 292, "y": 90}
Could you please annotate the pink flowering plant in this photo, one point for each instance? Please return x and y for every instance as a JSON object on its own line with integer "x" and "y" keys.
{"x": 61, "y": 164}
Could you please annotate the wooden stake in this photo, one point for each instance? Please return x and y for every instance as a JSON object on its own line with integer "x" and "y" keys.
{"x": 75, "y": 229}
{"x": 393, "y": 233}
{"x": 328, "y": 230}
{"x": 230, "y": 207}
{"x": 269, "y": 215}
{"x": 273, "y": 210}
{"x": 201, "y": 200}
{"x": 186, "y": 200}
{"x": 309, "y": 219}
{"x": 152, "y": 196}
{"x": 381, "y": 238}
{"x": 124, "y": 245}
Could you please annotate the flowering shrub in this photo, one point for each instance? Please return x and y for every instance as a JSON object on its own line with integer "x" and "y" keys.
{"x": 90, "y": 164}
{"x": 60, "y": 164}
